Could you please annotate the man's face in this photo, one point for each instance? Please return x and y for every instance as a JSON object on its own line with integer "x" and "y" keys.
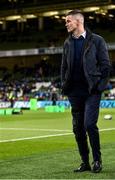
{"x": 71, "y": 23}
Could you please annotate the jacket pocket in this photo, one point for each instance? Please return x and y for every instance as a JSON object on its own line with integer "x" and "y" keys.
{"x": 102, "y": 85}
{"x": 95, "y": 79}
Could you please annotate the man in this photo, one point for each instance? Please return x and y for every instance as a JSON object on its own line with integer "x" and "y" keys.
{"x": 84, "y": 74}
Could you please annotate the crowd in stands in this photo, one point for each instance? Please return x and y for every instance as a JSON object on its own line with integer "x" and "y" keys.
{"x": 18, "y": 90}
{"x": 26, "y": 83}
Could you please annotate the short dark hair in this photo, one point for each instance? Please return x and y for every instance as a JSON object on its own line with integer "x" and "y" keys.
{"x": 77, "y": 12}
{"x": 74, "y": 12}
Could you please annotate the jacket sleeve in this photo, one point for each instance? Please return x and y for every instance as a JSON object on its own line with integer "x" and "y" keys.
{"x": 63, "y": 65}
{"x": 104, "y": 64}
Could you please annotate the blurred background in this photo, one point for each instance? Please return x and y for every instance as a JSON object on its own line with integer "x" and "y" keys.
{"x": 32, "y": 33}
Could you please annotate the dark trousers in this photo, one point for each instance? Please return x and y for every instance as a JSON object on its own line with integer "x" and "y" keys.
{"x": 85, "y": 111}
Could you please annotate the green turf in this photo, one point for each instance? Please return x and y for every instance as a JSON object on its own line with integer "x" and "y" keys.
{"x": 50, "y": 157}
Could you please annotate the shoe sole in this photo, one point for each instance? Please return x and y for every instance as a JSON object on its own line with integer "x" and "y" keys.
{"x": 97, "y": 171}
{"x": 77, "y": 171}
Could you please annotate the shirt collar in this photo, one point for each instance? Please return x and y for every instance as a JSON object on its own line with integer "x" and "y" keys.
{"x": 83, "y": 34}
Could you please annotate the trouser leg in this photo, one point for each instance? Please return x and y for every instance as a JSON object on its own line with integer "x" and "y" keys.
{"x": 90, "y": 123}
{"x": 77, "y": 110}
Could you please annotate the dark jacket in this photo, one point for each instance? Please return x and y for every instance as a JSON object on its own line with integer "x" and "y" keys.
{"x": 95, "y": 60}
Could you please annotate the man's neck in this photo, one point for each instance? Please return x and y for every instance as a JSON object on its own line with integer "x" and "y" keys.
{"x": 78, "y": 33}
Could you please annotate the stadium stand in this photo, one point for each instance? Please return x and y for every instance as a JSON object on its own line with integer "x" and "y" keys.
{"x": 20, "y": 76}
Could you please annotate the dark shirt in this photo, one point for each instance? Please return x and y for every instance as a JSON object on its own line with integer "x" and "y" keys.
{"x": 79, "y": 82}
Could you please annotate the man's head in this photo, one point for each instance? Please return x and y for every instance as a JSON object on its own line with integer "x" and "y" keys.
{"x": 74, "y": 21}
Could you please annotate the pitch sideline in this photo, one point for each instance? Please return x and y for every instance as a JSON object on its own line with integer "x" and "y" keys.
{"x": 34, "y": 137}
{"x": 36, "y": 129}
{"x": 45, "y": 136}
{"x": 52, "y": 130}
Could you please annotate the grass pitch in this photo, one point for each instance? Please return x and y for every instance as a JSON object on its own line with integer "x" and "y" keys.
{"x": 40, "y": 145}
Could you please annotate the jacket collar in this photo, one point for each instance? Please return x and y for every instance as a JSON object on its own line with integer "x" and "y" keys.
{"x": 88, "y": 40}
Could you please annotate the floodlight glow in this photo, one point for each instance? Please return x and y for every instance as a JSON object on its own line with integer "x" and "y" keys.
{"x": 111, "y": 15}
{"x": 90, "y": 9}
{"x": 57, "y": 17}
{"x": 50, "y": 13}
{"x": 91, "y": 17}
{"x": 63, "y": 17}
{"x": 112, "y": 6}
{"x": 11, "y": 18}
{"x": 29, "y": 16}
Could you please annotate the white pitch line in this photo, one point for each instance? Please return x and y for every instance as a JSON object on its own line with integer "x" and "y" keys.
{"x": 35, "y": 129}
{"x": 45, "y": 136}
{"x": 108, "y": 129}
{"x": 35, "y": 137}
{"x": 52, "y": 130}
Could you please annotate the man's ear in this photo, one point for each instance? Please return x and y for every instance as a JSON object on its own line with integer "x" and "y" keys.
{"x": 77, "y": 22}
